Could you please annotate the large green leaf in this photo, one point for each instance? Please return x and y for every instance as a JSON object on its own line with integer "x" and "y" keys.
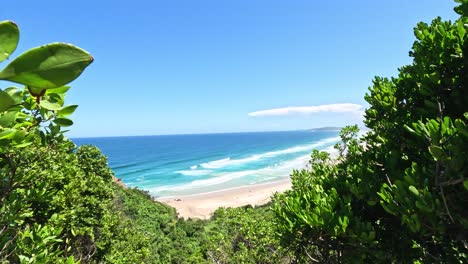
{"x": 9, "y": 37}
{"x": 50, "y": 105}
{"x": 66, "y": 111}
{"x": 48, "y": 66}
{"x": 64, "y": 122}
{"x": 6, "y": 101}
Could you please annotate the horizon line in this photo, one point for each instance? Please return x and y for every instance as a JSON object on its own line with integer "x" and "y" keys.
{"x": 216, "y": 133}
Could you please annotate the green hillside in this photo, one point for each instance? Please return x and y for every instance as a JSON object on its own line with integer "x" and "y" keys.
{"x": 398, "y": 194}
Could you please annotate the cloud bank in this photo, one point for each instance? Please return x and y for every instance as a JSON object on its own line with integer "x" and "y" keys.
{"x": 293, "y": 110}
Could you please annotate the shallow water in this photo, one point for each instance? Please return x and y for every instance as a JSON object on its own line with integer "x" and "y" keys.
{"x": 191, "y": 164}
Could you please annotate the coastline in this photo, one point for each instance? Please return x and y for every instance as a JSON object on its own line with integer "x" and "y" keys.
{"x": 202, "y": 206}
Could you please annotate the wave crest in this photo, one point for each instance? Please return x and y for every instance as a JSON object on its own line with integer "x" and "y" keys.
{"x": 194, "y": 172}
{"x": 216, "y": 164}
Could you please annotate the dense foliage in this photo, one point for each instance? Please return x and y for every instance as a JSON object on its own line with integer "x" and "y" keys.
{"x": 243, "y": 235}
{"x": 398, "y": 194}
{"x": 150, "y": 232}
{"x": 59, "y": 204}
{"x": 395, "y": 195}
{"x": 49, "y": 202}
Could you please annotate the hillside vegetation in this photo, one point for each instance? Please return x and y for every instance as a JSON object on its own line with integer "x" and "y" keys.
{"x": 396, "y": 195}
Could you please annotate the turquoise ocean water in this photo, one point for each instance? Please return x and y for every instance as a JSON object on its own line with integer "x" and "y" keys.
{"x": 177, "y": 165}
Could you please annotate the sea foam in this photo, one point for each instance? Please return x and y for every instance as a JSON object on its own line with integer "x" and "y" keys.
{"x": 277, "y": 171}
{"x": 194, "y": 172}
{"x": 221, "y": 163}
{"x": 193, "y": 164}
{"x": 229, "y": 162}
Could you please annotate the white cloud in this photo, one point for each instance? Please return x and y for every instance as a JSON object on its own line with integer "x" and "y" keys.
{"x": 293, "y": 110}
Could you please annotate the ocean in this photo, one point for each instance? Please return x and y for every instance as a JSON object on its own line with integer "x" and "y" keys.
{"x": 177, "y": 165}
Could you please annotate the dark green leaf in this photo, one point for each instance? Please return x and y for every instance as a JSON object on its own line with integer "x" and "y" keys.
{"x": 410, "y": 129}
{"x": 6, "y": 101}
{"x": 461, "y": 127}
{"x": 63, "y": 122}
{"x": 437, "y": 152}
{"x": 19, "y": 135}
{"x": 57, "y": 98}
{"x": 48, "y": 66}
{"x": 7, "y": 118}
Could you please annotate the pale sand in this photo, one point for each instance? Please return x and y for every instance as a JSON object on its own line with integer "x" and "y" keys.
{"x": 202, "y": 206}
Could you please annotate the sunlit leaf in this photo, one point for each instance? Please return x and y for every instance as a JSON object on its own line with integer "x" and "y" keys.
{"x": 7, "y": 133}
{"x": 9, "y": 37}
{"x": 48, "y": 66}
{"x": 50, "y": 105}
{"x": 67, "y": 110}
{"x": 58, "y": 90}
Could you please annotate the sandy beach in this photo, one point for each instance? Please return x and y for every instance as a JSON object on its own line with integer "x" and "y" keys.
{"x": 202, "y": 206}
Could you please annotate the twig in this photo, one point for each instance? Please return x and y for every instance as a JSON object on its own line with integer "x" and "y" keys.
{"x": 452, "y": 182}
{"x": 307, "y": 253}
{"x": 388, "y": 180}
{"x": 445, "y": 203}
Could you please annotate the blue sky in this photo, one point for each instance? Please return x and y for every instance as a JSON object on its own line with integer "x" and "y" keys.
{"x": 177, "y": 67}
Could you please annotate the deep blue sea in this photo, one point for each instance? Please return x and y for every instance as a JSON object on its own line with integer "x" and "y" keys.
{"x": 177, "y": 165}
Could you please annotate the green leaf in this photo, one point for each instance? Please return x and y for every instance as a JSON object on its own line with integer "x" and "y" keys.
{"x": 9, "y": 37}
{"x": 48, "y": 66}
{"x": 8, "y": 118}
{"x": 423, "y": 207}
{"x": 7, "y": 133}
{"x": 58, "y": 90}
{"x": 22, "y": 144}
{"x": 461, "y": 127}
{"x": 63, "y": 121}
{"x": 465, "y": 184}
{"x": 437, "y": 152}
{"x": 57, "y": 98}
{"x": 50, "y": 105}
{"x": 70, "y": 260}
{"x": 413, "y": 190}
{"x": 66, "y": 111}
{"x": 19, "y": 135}
{"x": 6, "y": 101}
{"x": 409, "y": 129}
{"x": 14, "y": 94}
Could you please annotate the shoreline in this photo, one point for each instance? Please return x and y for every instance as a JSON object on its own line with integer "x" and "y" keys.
{"x": 202, "y": 206}
{"x": 222, "y": 190}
